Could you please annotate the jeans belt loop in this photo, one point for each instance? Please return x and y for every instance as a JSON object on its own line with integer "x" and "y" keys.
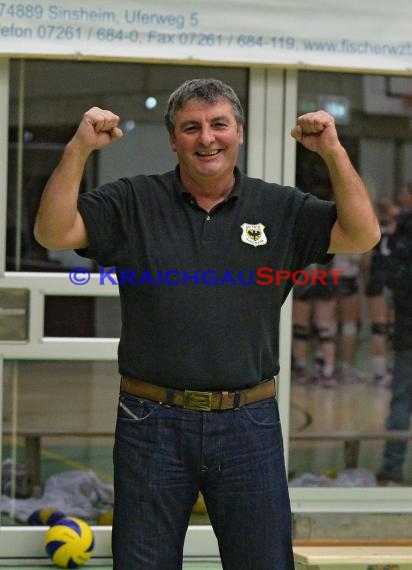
{"x": 236, "y": 402}
{"x": 169, "y": 396}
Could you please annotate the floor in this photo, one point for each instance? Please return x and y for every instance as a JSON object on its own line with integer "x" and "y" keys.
{"x": 186, "y": 566}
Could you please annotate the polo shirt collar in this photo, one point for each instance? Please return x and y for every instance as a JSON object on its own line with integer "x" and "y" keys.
{"x": 185, "y": 195}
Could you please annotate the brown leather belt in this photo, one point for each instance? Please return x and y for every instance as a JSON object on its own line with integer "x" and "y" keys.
{"x": 202, "y": 401}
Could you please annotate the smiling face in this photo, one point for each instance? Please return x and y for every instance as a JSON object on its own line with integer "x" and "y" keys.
{"x": 206, "y": 139}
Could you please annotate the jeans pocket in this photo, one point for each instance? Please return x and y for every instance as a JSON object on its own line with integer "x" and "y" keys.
{"x": 135, "y": 409}
{"x": 264, "y": 413}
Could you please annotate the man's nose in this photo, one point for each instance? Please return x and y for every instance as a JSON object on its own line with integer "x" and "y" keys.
{"x": 206, "y": 136}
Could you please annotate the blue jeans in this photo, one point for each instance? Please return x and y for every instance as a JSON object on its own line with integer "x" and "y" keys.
{"x": 163, "y": 456}
{"x": 399, "y": 417}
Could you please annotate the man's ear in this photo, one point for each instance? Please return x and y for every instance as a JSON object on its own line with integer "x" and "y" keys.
{"x": 240, "y": 134}
{"x": 172, "y": 140}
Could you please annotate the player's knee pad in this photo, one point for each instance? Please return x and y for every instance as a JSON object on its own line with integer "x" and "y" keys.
{"x": 326, "y": 333}
{"x": 379, "y": 328}
{"x": 301, "y": 332}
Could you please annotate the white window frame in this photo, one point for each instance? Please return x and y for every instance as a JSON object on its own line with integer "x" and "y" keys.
{"x": 271, "y": 155}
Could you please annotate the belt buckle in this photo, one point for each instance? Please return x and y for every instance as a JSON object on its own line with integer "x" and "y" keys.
{"x": 201, "y": 401}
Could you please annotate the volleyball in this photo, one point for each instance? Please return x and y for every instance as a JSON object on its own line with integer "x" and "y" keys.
{"x": 105, "y": 518}
{"x": 69, "y": 543}
{"x": 48, "y": 516}
{"x": 199, "y": 508}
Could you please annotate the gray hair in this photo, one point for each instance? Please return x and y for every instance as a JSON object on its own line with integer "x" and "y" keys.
{"x": 208, "y": 90}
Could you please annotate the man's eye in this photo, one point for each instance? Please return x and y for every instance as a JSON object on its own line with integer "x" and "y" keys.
{"x": 190, "y": 129}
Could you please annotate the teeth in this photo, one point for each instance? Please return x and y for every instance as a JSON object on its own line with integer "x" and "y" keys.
{"x": 207, "y": 152}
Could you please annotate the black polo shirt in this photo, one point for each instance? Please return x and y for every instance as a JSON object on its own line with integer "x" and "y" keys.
{"x": 198, "y": 309}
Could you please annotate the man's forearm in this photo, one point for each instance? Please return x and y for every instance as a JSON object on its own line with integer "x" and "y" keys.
{"x": 356, "y": 229}
{"x": 356, "y": 216}
{"x": 57, "y": 212}
{"x": 58, "y": 223}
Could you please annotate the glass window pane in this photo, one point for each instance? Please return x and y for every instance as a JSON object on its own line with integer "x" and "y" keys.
{"x": 58, "y": 434}
{"x": 345, "y": 403}
{"x": 58, "y": 421}
{"x": 14, "y": 311}
{"x": 45, "y": 113}
{"x": 92, "y": 317}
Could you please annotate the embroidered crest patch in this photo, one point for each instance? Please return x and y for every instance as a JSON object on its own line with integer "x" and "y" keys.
{"x": 253, "y": 234}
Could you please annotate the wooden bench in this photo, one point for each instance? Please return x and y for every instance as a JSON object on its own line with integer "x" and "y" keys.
{"x": 351, "y": 440}
{"x": 382, "y": 555}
